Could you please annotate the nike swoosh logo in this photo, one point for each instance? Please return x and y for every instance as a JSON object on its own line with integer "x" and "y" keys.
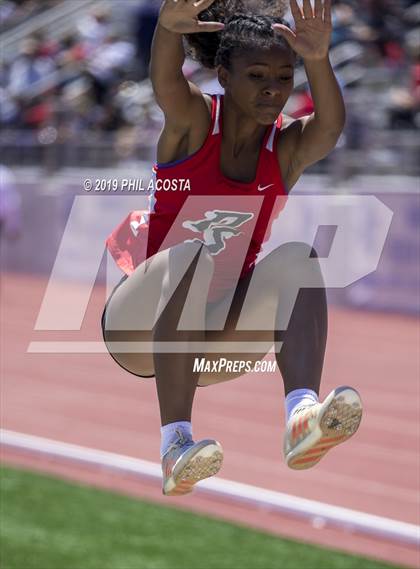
{"x": 262, "y": 188}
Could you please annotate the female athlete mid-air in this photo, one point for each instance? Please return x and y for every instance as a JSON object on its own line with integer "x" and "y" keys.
{"x": 190, "y": 261}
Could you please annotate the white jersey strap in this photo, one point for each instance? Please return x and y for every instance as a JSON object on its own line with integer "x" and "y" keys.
{"x": 216, "y": 128}
{"x": 270, "y": 142}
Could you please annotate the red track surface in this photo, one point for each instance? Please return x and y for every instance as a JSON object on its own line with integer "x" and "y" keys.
{"x": 90, "y": 401}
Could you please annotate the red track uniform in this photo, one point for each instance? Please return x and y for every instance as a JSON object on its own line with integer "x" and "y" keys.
{"x": 232, "y": 218}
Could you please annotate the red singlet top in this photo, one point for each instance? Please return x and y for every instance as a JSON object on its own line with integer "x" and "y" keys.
{"x": 194, "y": 201}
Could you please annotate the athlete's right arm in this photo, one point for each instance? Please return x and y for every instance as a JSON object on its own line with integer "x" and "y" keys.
{"x": 179, "y": 100}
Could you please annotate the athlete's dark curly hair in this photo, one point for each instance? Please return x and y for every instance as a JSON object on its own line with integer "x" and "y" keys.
{"x": 247, "y": 26}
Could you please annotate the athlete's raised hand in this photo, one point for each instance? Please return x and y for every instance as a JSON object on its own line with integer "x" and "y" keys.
{"x": 181, "y": 17}
{"x": 311, "y": 38}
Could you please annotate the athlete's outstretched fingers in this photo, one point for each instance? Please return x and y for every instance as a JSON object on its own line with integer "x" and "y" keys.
{"x": 318, "y": 9}
{"x": 327, "y": 11}
{"x": 209, "y": 26}
{"x": 296, "y": 11}
{"x": 307, "y": 10}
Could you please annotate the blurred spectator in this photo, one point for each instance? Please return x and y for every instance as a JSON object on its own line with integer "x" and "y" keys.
{"x": 46, "y": 47}
{"x": 404, "y": 108}
{"x": 29, "y": 67}
{"x": 146, "y": 20}
{"x": 72, "y": 51}
{"x": 14, "y": 12}
{"x": 11, "y": 223}
{"x": 344, "y": 18}
{"x": 95, "y": 28}
{"x": 7, "y": 9}
{"x": 9, "y": 110}
{"x": 108, "y": 63}
{"x": 384, "y": 16}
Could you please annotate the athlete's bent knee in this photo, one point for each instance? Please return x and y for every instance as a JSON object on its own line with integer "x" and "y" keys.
{"x": 297, "y": 250}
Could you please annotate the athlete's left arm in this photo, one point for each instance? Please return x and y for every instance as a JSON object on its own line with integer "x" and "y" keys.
{"x": 315, "y": 136}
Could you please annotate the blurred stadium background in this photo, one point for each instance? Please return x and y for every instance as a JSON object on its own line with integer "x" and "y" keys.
{"x": 75, "y": 104}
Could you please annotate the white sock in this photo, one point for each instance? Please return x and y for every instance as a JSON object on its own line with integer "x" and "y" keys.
{"x": 168, "y": 432}
{"x": 299, "y": 398}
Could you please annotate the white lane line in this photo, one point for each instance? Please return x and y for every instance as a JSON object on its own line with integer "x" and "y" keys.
{"x": 318, "y": 513}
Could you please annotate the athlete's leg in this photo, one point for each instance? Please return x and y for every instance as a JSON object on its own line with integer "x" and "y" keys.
{"x": 266, "y": 291}
{"x": 175, "y": 377}
{"x": 301, "y": 357}
{"x": 147, "y": 308}
{"x": 261, "y": 304}
{"x": 313, "y": 428}
{"x": 177, "y": 280}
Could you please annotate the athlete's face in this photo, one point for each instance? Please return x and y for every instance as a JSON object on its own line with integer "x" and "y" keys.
{"x": 260, "y": 82}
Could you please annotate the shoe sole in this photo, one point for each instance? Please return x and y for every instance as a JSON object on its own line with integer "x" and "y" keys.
{"x": 338, "y": 420}
{"x": 204, "y": 461}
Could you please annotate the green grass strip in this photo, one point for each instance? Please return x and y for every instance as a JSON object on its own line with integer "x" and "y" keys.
{"x": 47, "y": 523}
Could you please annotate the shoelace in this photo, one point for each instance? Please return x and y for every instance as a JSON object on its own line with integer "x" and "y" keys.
{"x": 180, "y": 441}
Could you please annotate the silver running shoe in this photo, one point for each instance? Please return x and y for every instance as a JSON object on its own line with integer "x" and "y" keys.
{"x": 185, "y": 463}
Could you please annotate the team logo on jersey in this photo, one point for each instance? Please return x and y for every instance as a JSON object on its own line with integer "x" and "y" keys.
{"x": 217, "y": 227}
